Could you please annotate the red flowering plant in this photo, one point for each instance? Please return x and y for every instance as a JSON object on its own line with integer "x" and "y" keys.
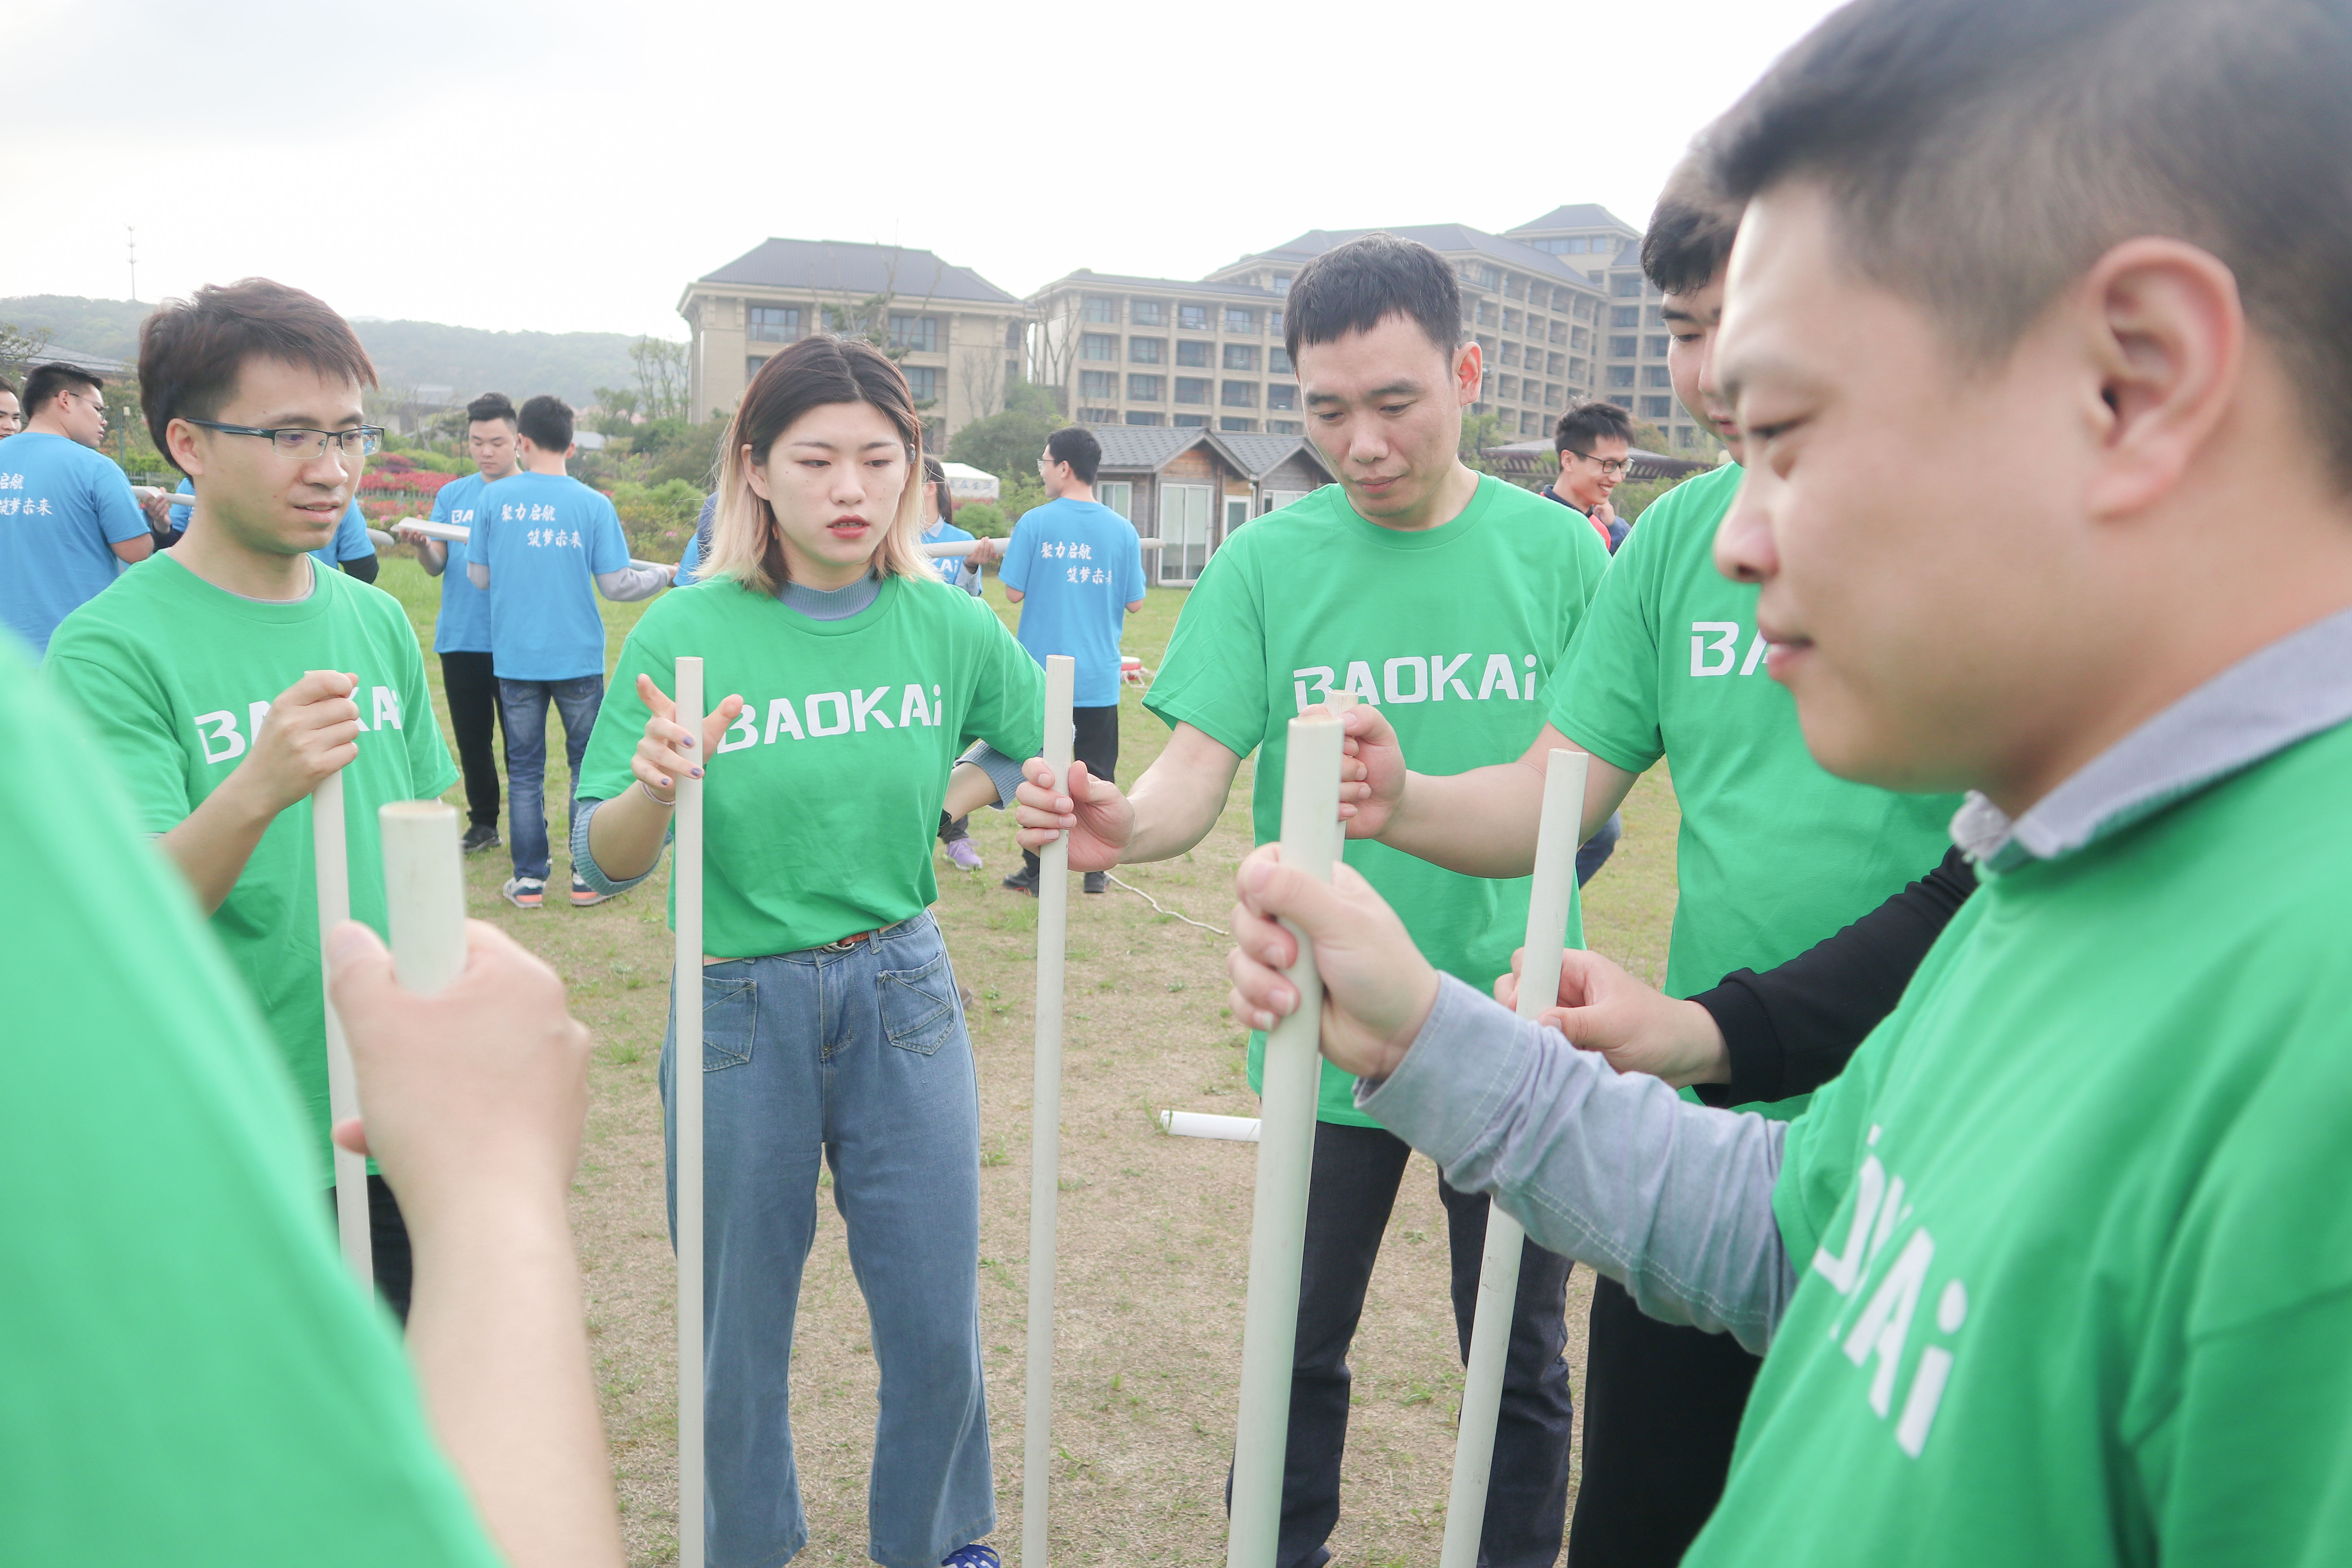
{"x": 394, "y": 486}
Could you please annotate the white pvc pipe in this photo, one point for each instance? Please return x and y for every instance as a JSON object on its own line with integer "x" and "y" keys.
{"x": 331, "y": 852}
{"x": 686, "y": 993}
{"x": 1198, "y": 1124}
{"x": 424, "y": 893}
{"x": 962, "y": 547}
{"x": 1046, "y": 1125}
{"x": 1285, "y": 1153}
{"x": 457, "y": 533}
{"x": 1499, "y": 1271}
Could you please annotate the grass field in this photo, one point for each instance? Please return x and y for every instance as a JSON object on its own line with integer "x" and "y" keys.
{"x": 1154, "y": 1230}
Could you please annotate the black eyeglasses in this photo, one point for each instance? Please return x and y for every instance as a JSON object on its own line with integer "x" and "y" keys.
{"x": 307, "y": 445}
{"x": 1616, "y": 466}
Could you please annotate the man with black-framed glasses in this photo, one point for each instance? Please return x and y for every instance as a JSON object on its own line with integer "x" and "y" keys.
{"x": 68, "y": 520}
{"x": 232, "y": 675}
{"x": 1595, "y": 443}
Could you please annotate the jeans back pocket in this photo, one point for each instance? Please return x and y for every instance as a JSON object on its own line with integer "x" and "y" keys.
{"x": 730, "y": 1019}
{"x": 919, "y": 1006}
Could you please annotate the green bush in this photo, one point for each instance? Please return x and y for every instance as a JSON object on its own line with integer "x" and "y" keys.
{"x": 982, "y": 519}
{"x": 657, "y": 518}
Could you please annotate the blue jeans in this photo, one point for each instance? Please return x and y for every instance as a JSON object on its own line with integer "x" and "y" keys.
{"x": 1594, "y": 852}
{"x": 522, "y": 714}
{"x": 857, "y": 1056}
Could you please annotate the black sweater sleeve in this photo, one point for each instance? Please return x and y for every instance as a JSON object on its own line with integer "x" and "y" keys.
{"x": 363, "y": 567}
{"x": 1791, "y": 1029}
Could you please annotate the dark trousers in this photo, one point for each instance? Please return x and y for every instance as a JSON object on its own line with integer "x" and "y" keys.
{"x": 1353, "y": 1186}
{"x": 473, "y": 691}
{"x": 523, "y": 706}
{"x": 388, "y": 1240}
{"x": 1594, "y": 852}
{"x": 1662, "y": 1405}
{"x": 1097, "y": 745}
{"x": 953, "y": 827}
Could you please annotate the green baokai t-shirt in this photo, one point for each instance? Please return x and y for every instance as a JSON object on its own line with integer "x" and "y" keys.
{"x": 2074, "y": 1253}
{"x": 1453, "y": 632}
{"x": 176, "y": 675}
{"x": 1775, "y": 853}
{"x": 820, "y": 804}
{"x": 191, "y": 1376}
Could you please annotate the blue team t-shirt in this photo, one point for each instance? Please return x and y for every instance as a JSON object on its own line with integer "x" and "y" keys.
{"x": 351, "y": 541}
{"x": 63, "y": 507}
{"x": 464, "y": 624}
{"x": 546, "y": 538}
{"x": 1078, "y": 565}
{"x": 691, "y": 562}
{"x": 948, "y": 567}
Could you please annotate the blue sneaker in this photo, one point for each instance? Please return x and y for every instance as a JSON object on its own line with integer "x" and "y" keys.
{"x": 974, "y": 1556}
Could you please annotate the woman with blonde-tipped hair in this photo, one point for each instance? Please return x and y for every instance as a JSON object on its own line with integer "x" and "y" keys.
{"x": 831, "y": 1024}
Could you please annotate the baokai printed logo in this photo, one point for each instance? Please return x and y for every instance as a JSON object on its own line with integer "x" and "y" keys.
{"x": 1438, "y": 678}
{"x": 825, "y": 714}
{"x": 1714, "y": 647}
{"x": 223, "y": 742}
{"x": 1882, "y": 1332}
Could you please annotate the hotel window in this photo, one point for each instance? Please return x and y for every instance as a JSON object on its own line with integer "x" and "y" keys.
{"x": 1626, "y": 286}
{"x": 1581, "y": 339}
{"x": 1621, "y": 348}
{"x": 923, "y": 381}
{"x": 1238, "y": 427}
{"x": 1657, "y": 407}
{"x": 1510, "y": 353}
{"x": 1191, "y": 389}
{"x": 1143, "y": 389}
{"x": 1552, "y": 395}
{"x": 1284, "y": 427}
{"x": 1278, "y": 362}
{"x": 1241, "y": 356}
{"x": 1576, "y": 368}
{"x": 1585, "y": 306}
{"x": 752, "y": 366}
{"x": 1281, "y": 394}
{"x": 1097, "y": 346}
{"x": 1486, "y": 312}
{"x": 1240, "y": 319}
{"x": 775, "y": 323}
{"x": 1273, "y": 323}
{"x": 1559, "y": 331}
{"x": 1099, "y": 385}
{"x": 1192, "y": 318}
{"x": 1191, "y": 354}
{"x": 1555, "y": 364}
{"x": 1099, "y": 308}
{"x": 1654, "y": 316}
{"x": 1655, "y": 345}
{"x": 1136, "y": 416}
{"x": 921, "y": 332}
{"x": 1511, "y": 320}
{"x": 1240, "y": 395}
{"x": 1098, "y": 416}
{"x": 1191, "y": 421}
{"x": 1656, "y": 376}
{"x": 1148, "y": 312}
{"x": 1621, "y": 376}
{"x": 1624, "y": 316}
{"x": 1147, "y": 351}
{"x": 1530, "y": 424}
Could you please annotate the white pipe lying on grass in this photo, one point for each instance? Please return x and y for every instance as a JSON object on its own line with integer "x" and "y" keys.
{"x": 1200, "y": 1124}
{"x": 1045, "y": 1124}
{"x": 1498, "y": 1271}
{"x": 1285, "y": 1153}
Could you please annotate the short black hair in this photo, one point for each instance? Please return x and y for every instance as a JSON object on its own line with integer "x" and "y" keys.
{"x": 1982, "y": 154}
{"x": 1076, "y": 445}
{"x": 192, "y": 351}
{"x": 1589, "y": 422}
{"x": 1355, "y": 286}
{"x": 547, "y": 421}
{"x": 1691, "y": 230}
{"x": 492, "y": 406}
{"x": 7, "y": 386}
{"x": 46, "y": 381}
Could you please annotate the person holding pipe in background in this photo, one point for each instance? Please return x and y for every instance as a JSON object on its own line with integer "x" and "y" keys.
{"x": 857, "y": 677}
{"x": 543, "y": 546}
{"x": 1775, "y": 855}
{"x": 964, "y": 573}
{"x": 192, "y": 1378}
{"x": 461, "y": 631}
{"x": 226, "y": 679}
{"x": 71, "y": 520}
{"x": 2055, "y": 1268}
{"x": 1449, "y": 599}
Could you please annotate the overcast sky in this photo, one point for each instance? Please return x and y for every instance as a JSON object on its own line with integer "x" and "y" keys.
{"x": 519, "y": 163}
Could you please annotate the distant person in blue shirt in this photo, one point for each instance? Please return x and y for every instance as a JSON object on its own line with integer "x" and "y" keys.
{"x": 700, "y": 545}
{"x": 960, "y": 571}
{"x": 544, "y": 545}
{"x": 1075, "y": 568}
{"x": 69, "y": 522}
{"x": 461, "y": 632}
{"x": 351, "y": 549}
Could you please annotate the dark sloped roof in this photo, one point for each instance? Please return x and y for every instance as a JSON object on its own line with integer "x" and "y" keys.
{"x": 1189, "y": 289}
{"x": 1144, "y": 445}
{"x": 1258, "y": 456}
{"x": 1576, "y": 215}
{"x": 841, "y": 266}
{"x": 1447, "y": 238}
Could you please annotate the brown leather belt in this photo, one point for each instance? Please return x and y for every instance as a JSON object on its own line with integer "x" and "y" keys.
{"x": 843, "y": 945}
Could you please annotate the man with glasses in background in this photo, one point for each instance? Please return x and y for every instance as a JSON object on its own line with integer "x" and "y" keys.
{"x": 231, "y": 676}
{"x": 68, "y": 520}
{"x": 1595, "y": 442}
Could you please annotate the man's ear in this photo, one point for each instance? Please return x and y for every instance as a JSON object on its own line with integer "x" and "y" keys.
{"x": 186, "y": 453}
{"x": 2167, "y": 337}
{"x": 1469, "y": 373}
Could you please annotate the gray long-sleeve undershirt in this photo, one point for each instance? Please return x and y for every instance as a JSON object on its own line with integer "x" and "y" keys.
{"x": 627, "y": 586}
{"x": 1671, "y": 1200}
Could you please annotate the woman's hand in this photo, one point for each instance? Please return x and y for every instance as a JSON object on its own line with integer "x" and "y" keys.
{"x": 667, "y": 750}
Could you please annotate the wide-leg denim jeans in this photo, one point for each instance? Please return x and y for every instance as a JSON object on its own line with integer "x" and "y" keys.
{"x": 857, "y": 1056}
